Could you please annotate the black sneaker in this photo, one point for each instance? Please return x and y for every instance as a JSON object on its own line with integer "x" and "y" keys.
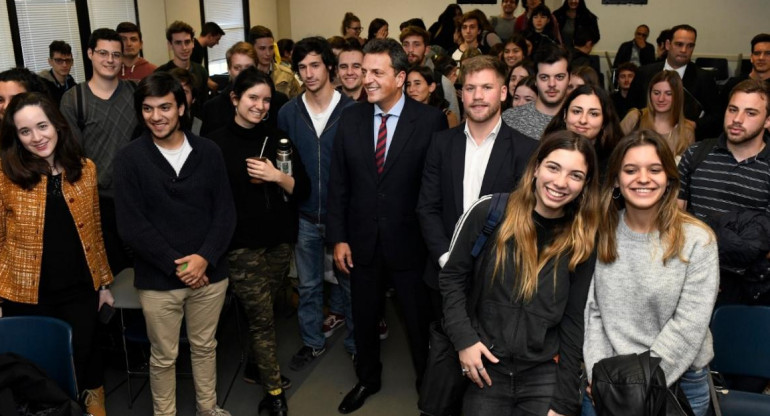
{"x": 305, "y": 356}
{"x": 275, "y": 405}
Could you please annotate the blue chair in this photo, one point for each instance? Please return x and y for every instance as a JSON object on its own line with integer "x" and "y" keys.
{"x": 742, "y": 347}
{"x": 46, "y": 342}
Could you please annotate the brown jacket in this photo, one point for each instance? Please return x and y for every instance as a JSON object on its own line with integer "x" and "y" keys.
{"x": 22, "y": 215}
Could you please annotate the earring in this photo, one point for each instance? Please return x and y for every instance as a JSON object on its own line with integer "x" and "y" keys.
{"x": 267, "y": 116}
{"x": 616, "y": 193}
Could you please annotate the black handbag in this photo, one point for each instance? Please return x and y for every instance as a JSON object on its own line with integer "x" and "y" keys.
{"x": 443, "y": 384}
{"x": 634, "y": 385}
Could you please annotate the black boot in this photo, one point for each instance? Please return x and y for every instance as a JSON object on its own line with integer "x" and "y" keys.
{"x": 275, "y": 405}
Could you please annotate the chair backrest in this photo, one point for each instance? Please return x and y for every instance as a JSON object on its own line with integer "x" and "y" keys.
{"x": 719, "y": 65}
{"x": 742, "y": 340}
{"x": 124, "y": 292}
{"x": 46, "y": 342}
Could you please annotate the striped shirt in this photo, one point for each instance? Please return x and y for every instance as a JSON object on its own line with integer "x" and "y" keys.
{"x": 722, "y": 184}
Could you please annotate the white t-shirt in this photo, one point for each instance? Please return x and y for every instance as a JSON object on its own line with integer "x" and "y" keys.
{"x": 176, "y": 157}
{"x": 320, "y": 119}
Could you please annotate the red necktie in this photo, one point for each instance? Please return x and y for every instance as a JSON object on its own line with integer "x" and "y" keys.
{"x": 382, "y": 138}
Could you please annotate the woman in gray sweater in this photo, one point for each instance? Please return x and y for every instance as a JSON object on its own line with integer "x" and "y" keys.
{"x": 657, "y": 272}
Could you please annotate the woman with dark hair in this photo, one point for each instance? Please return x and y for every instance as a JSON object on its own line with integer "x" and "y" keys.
{"x": 514, "y": 50}
{"x": 351, "y": 28}
{"x": 52, "y": 260}
{"x": 582, "y": 75}
{"x": 664, "y": 115}
{"x": 573, "y": 17}
{"x": 267, "y": 220}
{"x": 421, "y": 86}
{"x": 541, "y": 30}
{"x": 443, "y": 30}
{"x": 378, "y": 29}
{"x": 519, "y": 71}
{"x": 523, "y": 23}
{"x": 657, "y": 273}
{"x": 515, "y": 312}
{"x": 525, "y": 92}
{"x": 588, "y": 111}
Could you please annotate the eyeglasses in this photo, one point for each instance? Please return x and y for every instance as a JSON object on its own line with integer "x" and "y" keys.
{"x": 644, "y": 35}
{"x": 63, "y": 61}
{"x": 105, "y": 53}
{"x": 357, "y": 29}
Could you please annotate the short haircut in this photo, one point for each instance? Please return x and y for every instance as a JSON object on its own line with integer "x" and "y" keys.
{"x": 318, "y": 45}
{"x": 627, "y": 66}
{"x": 395, "y": 51}
{"x": 259, "y": 32}
{"x": 129, "y": 27}
{"x": 415, "y": 31}
{"x": 480, "y": 63}
{"x": 417, "y": 22}
{"x": 551, "y": 54}
{"x": 760, "y": 38}
{"x": 179, "y": 26}
{"x": 185, "y": 77}
{"x": 158, "y": 84}
{"x": 753, "y": 86}
{"x": 684, "y": 27}
{"x": 347, "y": 45}
{"x": 22, "y": 167}
{"x": 240, "y": 48}
{"x": 644, "y": 26}
{"x": 104, "y": 34}
{"x": 285, "y": 46}
{"x": 211, "y": 28}
{"x": 26, "y": 78}
{"x": 60, "y": 46}
{"x": 664, "y": 35}
{"x": 338, "y": 42}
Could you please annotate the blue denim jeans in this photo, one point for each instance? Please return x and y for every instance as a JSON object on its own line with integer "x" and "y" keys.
{"x": 309, "y": 254}
{"x": 694, "y": 385}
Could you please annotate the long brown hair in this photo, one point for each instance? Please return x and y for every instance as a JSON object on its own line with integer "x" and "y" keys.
{"x": 575, "y": 240}
{"x": 22, "y": 167}
{"x": 669, "y": 219}
{"x": 677, "y": 109}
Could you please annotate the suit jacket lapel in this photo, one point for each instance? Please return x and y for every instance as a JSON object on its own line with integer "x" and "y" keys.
{"x": 401, "y": 136}
{"x": 366, "y": 133}
{"x": 501, "y": 151}
{"x": 457, "y": 165}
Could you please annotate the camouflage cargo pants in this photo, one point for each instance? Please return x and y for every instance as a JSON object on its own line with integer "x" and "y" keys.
{"x": 256, "y": 276}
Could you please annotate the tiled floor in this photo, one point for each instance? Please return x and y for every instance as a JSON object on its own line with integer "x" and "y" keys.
{"x": 316, "y": 391}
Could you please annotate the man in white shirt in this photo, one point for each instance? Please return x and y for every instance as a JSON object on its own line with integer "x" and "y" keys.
{"x": 479, "y": 157}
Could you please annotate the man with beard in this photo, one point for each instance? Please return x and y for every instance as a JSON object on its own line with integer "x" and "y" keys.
{"x": 479, "y": 157}
{"x": 416, "y": 42}
{"x": 175, "y": 210}
{"x": 374, "y": 183}
{"x": 734, "y": 176}
{"x": 553, "y": 71}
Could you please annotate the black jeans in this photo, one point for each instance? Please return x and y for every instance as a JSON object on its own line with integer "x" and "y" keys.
{"x": 526, "y": 393}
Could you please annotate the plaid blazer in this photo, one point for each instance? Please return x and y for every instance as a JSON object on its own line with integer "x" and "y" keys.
{"x": 22, "y": 215}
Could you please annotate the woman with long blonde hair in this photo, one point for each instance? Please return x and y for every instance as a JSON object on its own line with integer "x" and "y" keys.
{"x": 514, "y": 313}
{"x": 657, "y": 272}
{"x": 664, "y": 113}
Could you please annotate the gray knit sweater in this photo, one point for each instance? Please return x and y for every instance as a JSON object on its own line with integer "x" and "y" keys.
{"x": 638, "y": 303}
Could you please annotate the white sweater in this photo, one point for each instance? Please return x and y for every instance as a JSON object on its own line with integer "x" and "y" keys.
{"x": 638, "y": 303}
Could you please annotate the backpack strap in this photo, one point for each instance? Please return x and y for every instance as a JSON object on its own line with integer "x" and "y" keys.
{"x": 81, "y": 103}
{"x": 494, "y": 215}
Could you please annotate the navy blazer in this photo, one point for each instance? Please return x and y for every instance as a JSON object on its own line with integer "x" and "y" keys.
{"x": 368, "y": 210}
{"x": 441, "y": 197}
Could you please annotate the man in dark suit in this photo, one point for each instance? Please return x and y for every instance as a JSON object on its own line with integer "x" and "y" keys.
{"x": 377, "y": 162}
{"x": 479, "y": 157}
{"x": 700, "y": 95}
{"x": 636, "y": 51}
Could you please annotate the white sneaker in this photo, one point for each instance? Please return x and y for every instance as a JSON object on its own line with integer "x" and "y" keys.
{"x": 215, "y": 411}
